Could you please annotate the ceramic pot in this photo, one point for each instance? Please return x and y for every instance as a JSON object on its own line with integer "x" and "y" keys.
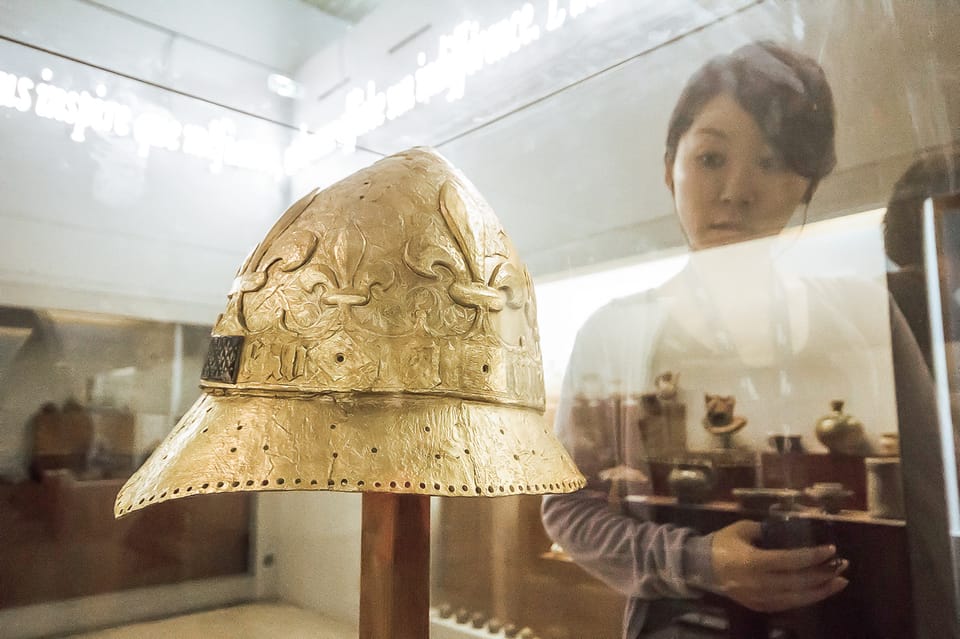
{"x": 691, "y": 483}
{"x": 761, "y": 500}
{"x": 788, "y": 528}
{"x": 842, "y": 434}
{"x": 829, "y": 496}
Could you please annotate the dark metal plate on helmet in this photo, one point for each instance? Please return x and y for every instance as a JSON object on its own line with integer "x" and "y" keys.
{"x": 223, "y": 359}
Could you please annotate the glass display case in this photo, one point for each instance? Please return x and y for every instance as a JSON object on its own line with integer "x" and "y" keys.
{"x": 95, "y": 394}
{"x": 805, "y": 381}
{"x": 113, "y": 261}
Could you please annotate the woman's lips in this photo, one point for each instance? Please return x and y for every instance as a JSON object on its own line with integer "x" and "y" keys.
{"x": 727, "y": 226}
{"x": 729, "y": 230}
{"x": 717, "y": 234}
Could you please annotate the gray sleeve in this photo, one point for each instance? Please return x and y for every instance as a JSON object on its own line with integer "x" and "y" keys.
{"x": 638, "y": 558}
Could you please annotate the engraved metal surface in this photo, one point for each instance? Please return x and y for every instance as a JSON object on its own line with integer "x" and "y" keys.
{"x": 388, "y": 341}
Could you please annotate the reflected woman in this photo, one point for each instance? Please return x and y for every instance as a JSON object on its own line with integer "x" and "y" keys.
{"x": 749, "y": 140}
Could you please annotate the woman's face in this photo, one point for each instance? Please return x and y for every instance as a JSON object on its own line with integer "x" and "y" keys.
{"x": 728, "y": 183}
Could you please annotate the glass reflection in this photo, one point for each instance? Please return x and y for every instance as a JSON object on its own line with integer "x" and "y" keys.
{"x": 84, "y": 398}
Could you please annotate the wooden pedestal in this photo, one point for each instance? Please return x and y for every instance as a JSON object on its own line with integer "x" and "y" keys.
{"x": 395, "y": 567}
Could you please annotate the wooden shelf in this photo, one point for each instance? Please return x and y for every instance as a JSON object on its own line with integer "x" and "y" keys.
{"x": 851, "y": 516}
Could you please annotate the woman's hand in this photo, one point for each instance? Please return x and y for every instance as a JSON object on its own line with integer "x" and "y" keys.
{"x": 772, "y": 580}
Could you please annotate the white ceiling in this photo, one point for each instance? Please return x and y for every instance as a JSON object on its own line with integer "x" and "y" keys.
{"x": 349, "y": 10}
{"x": 278, "y": 34}
{"x": 222, "y": 51}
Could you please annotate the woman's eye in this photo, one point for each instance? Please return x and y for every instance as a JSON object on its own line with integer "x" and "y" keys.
{"x": 770, "y": 163}
{"x": 711, "y": 160}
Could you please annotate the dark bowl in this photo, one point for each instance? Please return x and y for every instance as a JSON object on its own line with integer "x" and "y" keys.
{"x": 760, "y": 500}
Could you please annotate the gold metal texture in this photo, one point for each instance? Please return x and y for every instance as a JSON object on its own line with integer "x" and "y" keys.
{"x": 382, "y": 337}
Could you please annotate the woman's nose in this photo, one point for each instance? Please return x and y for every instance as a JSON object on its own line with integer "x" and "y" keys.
{"x": 739, "y": 186}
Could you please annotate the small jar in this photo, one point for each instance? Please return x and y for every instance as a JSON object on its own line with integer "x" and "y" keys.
{"x": 788, "y": 528}
{"x": 889, "y": 445}
{"x": 884, "y": 487}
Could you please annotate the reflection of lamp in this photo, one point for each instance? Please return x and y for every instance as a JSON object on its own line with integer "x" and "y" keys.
{"x": 382, "y": 338}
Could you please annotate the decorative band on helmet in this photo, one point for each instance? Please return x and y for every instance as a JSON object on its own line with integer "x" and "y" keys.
{"x": 481, "y": 369}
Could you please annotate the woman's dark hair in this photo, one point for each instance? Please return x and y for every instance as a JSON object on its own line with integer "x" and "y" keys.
{"x": 786, "y": 93}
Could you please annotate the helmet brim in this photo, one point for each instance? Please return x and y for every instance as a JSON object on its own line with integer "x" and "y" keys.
{"x": 400, "y": 443}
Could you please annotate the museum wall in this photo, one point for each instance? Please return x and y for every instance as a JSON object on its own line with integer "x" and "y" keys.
{"x": 128, "y": 217}
{"x": 105, "y": 208}
{"x": 103, "y": 213}
{"x": 127, "y": 206}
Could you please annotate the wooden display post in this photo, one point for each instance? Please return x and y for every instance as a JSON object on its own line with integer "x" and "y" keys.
{"x": 395, "y": 567}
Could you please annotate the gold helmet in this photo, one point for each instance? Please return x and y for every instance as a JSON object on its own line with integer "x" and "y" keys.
{"x": 382, "y": 337}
